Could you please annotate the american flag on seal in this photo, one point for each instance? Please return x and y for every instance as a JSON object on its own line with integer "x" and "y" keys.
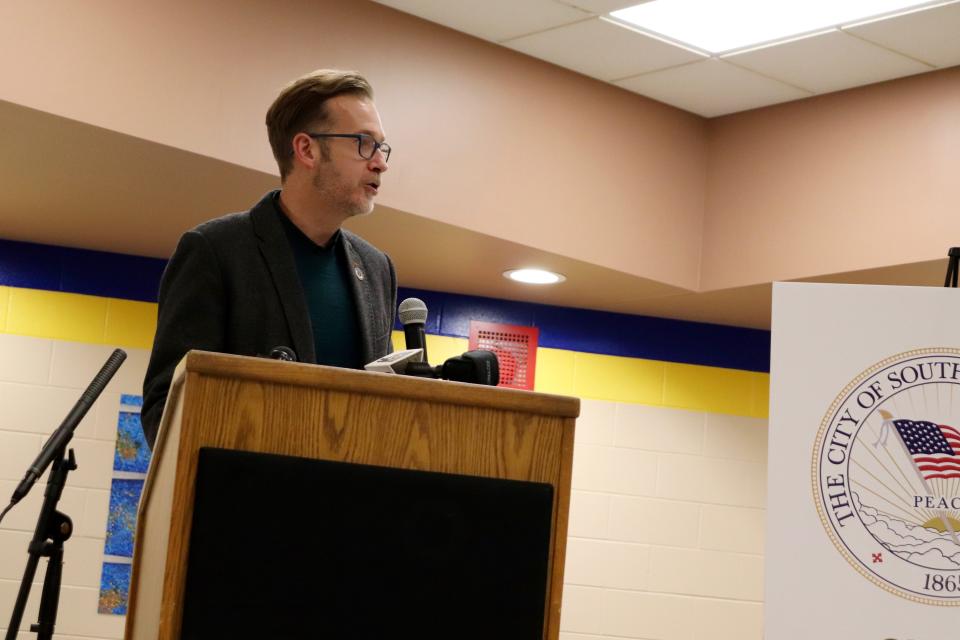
{"x": 933, "y": 446}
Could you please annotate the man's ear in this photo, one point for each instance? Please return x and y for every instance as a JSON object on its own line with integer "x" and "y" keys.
{"x": 305, "y": 153}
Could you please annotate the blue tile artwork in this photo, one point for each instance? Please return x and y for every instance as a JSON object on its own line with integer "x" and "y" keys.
{"x": 122, "y": 517}
{"x": 131, "y": 460}
{"x": 114, "y": 588}
{"x": 132, "y": 452}
{"x": 131, "y": 400}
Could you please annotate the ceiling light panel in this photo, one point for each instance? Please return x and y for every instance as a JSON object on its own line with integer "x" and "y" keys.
{"x": 534, "y": 276}
{"x": 493, "y": 20}
{"x": 712, "y": 88}
{"x": 931, "y": 35}
{"x": 828, "y": 62}
{"x": 720, "y": 26}
{"x": 601, "y": 6}
{"x": 602, "y": 49}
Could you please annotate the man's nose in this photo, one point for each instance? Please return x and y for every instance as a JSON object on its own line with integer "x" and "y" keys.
{"x": 378, "y": 162}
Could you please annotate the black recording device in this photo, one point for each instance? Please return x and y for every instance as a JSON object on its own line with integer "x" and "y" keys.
{"x": 475, "y": 367}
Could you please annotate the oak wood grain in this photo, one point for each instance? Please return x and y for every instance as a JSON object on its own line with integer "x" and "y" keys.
{"x": 341, "y": 415}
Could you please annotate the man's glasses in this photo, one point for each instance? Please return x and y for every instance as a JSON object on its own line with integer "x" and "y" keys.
{"x": 366, "y": 145}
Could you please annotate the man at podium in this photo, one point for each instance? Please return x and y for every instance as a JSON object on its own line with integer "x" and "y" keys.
{"x": 283, "y": 279}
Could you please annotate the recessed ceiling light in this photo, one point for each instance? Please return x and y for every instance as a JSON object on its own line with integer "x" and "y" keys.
{"x": 534, "y": 276}
{"x": 720, "y": 27}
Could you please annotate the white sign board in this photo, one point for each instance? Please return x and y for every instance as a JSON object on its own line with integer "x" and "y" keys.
{"x": 863, "y": 519}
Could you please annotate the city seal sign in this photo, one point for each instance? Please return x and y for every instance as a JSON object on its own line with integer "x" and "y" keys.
{"x": 886, "y": 475}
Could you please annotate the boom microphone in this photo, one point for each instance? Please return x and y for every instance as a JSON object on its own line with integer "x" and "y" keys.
{"x": 57, "y": 442}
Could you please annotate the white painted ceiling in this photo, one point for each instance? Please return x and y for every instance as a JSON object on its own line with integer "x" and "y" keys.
{"x": 579, "y": 35}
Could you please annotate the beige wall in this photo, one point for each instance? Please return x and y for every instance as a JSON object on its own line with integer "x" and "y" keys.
{"x": 40, "y": 381}
{"x": 853, "y": 180}
{"x": 500, "y": 143}
{"x": 485, "y": 138}
{"x": 666, "y": 525}
{"x": 515, "y": 148}
{"x": 666, "y": 530}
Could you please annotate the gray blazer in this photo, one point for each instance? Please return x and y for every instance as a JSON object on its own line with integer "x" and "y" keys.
{"x": 232, "y": 287}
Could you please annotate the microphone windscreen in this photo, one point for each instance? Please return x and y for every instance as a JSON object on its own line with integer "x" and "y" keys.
{"x": 412, "y": 310}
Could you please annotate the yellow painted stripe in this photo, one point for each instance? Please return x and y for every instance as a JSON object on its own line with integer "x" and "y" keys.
{"x": 131, "y": 323}
{"x": 52, "y": 314}
{"x": 80, "y": 318}
{"x": 554, "y": 372}
{"x": 439, "y": 348}
{"x": 99, "y": 320}
{"x": 708, "y": 388}
{"x": 634, "y": 380}
{"x": 4, "y": 303}
{"x": 761, "y": 395}
{"x": 618, "y": 378}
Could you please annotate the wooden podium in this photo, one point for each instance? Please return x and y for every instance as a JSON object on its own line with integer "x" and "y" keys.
{"x": 324, "y": 413}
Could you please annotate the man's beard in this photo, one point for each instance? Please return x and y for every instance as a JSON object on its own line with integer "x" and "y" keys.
{"x": 346, "y": 204}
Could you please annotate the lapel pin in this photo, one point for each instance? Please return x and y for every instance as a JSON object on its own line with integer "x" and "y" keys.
{"x": 359, "y": 273}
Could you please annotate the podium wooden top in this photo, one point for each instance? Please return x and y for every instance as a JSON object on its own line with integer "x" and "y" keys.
{"x": 343, "y": 415}
{"x": 373, "y": 383}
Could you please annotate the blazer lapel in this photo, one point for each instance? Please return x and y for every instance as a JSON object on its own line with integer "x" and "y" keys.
{"x": 277, "y": 254}
{"x": 362, "y": 296}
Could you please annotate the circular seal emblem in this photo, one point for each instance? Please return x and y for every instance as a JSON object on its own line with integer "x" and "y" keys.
{"x": 886, "y": 475}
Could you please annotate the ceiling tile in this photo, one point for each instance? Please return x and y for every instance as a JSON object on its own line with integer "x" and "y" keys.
{"x": 827, "y": 62}
{"x": 931, "y": 35}
{"x": 712, "y": 88}
{"x": 494, "y": 20}
{"x": 602, "y": 6}
{"x": 602, "y": 49}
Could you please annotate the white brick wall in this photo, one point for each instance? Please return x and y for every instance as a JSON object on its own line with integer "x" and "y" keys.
{"x": 40, "y": 381}
{"x": 666, "y": 524}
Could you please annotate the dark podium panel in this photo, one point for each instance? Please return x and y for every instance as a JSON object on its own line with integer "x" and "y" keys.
{"x": 378, "y": 545}
{"x": 286, "y": 547}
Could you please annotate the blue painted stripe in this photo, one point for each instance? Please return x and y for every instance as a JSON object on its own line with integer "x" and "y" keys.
{"x": 95, "y": 273}
{"x": 32, "y": 266}
{"x": 616, "y": 334}
{"x": 37, "y": 266}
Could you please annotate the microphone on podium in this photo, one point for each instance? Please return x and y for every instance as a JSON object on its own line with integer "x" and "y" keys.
{"x": 476, "y": 367}
{"x": 413, "y": 315}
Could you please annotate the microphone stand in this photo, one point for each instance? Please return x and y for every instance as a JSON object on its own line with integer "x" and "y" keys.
{"x": 53, "y": 527}
{"x": 952, "y": 267}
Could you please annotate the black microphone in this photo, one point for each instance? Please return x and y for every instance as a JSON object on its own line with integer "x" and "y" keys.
{"x": 475, "y": 367}
{"x": 413, "y": 315}
{"x": 59, "y": 439}
{"x": 283, "y": 353}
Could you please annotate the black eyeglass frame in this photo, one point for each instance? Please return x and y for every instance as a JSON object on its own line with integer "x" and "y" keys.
{"x": 384, "y": 147}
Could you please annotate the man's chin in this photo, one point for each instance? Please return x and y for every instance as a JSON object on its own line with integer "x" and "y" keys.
{"x": 362, "y": 209}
